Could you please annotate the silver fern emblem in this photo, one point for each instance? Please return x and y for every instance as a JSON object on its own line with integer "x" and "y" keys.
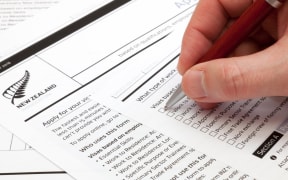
{"x": 17, "y": 90}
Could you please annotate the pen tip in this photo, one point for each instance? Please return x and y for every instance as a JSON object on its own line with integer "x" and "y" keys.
{"x": 166, "y": 108}
{"x": 177, "y": 96}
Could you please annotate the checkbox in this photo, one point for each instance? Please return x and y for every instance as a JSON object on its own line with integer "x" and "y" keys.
{"x": 179, "y": 118}
{"x": 240, "y": 146}
{"x": 171, "y": 114}
{"x": 195, "y": 125}
{"x": 231, "y": 141}
{"x": 204, "y": 129}
{"x": 213, "y": 133}
{"x": 187, "y": 121}
{"x": 222, "y": 138}
{"x": 162, "y": 110}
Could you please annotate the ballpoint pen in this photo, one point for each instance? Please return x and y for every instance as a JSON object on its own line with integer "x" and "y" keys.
{"x": 233, "y": 36}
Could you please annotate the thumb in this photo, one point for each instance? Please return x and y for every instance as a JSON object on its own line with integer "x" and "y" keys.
{"x": 257, "y": 75}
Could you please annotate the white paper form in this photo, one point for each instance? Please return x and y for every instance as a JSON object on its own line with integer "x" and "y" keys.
{"x": 27, "y": 31}
{"x": 13, "y": 12}
{"x": 18, "y": 158}
{"x": 11, "y": 147}
{"x": 101, "y": 115}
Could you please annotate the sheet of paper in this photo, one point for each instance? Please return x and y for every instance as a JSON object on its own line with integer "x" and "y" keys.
{"x": 31, "y": 20}
{"x": 18, "y": 158}
{"x": 93, "y": 103}
{"x": 13, "y": 12}
{"x": 12, "y": 149}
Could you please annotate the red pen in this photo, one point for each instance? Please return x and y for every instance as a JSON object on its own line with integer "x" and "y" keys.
{"x": 234, "y": 35}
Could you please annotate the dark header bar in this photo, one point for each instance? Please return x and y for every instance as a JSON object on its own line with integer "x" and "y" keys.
{"x": 49, "y": 40}
{"x": 268, "y": 144}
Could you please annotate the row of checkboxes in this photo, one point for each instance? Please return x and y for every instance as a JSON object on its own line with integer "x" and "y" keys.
{"x": 203, "y": 129}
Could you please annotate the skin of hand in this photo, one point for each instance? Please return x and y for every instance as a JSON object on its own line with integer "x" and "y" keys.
{"x": 257, "y": 68}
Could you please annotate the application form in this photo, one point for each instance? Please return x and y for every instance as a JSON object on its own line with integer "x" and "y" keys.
{"x": 19, "y": 160}
{"x": 93, "y": 103}
{"x": 22, "y": 18}
{"x": 12, "y": 149}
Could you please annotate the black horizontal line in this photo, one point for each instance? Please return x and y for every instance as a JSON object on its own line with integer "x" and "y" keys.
{"x": 141, "y": 50}
{"x": 32, "y": 173}
{"x": 60, "y": 34}
{"x": 123, "y": 100}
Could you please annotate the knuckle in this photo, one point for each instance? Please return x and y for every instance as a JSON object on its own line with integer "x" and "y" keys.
{"x": 233, "y": 80}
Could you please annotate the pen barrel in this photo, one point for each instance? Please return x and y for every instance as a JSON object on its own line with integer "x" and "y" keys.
{"x": 239, "y": 31}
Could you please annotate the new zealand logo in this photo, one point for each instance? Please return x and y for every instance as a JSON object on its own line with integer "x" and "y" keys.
{"x": 17, "y": 90}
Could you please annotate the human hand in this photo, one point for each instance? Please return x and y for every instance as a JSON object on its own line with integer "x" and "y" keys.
{"x": 257, "y": 68}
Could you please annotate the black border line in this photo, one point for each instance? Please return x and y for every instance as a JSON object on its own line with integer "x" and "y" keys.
{"x": 125, "y": 60}
{"x": 60, "y": 34}
{"x": 141, "y": 85}
{"x": 32, "y": 173}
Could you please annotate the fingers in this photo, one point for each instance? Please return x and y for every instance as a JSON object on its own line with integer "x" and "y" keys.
{"x": 207, "y": 23}
{"x": 257, "y": 75}
{"x": 249, "y": 76}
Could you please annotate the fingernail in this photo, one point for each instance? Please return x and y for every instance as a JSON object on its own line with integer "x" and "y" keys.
{"x": 196, "y": 84}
